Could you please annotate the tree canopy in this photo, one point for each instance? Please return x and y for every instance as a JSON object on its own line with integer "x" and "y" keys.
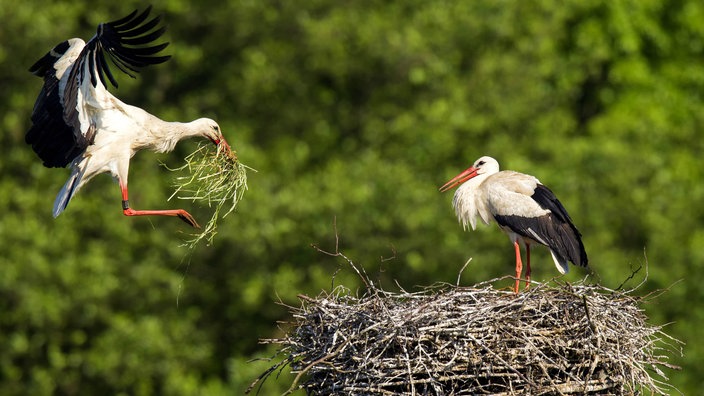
{"x": 353, "y": 114}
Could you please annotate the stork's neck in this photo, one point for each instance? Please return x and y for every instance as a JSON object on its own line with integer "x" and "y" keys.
{"x": 469, "y": 202}
{"x": 162, "y": 136}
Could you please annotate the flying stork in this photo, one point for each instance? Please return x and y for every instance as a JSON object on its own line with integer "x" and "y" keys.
{"x": 77, "y": 122}
{"x": 523, "y": 208}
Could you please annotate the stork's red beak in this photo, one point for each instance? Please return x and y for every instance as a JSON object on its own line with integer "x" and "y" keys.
{"x": 459, "y": 179}
{"x": 224, "y": 147}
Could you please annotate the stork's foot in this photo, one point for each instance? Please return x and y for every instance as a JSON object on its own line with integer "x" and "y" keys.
{"x": 185, "y": 216}
{"x": 180, "y": 213}
{"x": 527, "y": 280}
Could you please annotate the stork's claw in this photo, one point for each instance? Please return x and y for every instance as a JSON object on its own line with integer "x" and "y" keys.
{"x": 185, "y": 216}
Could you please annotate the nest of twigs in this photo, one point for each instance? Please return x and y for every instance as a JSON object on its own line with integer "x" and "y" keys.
{"x": 214, "y": 177}
{"x": 447, "y": 340}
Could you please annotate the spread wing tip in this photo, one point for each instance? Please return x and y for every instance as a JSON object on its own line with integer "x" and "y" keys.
{"x": 129, "y": 43}
{"x": 46, "y": 62}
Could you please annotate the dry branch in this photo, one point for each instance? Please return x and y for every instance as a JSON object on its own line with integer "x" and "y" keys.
{"x": 448, "y": 340}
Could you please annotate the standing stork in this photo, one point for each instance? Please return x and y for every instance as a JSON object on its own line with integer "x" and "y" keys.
{"x": 77, "y": 122}
{"x": 522, "y": 207}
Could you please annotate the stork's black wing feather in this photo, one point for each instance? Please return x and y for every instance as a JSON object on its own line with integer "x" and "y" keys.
{"x": 46, "y": 62}
{"x": 51, "y": 137}
{"x": 131, "y": 18}
{"x": 127, "y": 42}
{"x": 547, "y": 200}
{"x": 554, "y": 229}
{"x": 570, "y": 239}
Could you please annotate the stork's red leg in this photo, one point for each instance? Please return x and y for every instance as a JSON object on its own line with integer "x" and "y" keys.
{"x": 527, "y": 265}
{"x": 180, "y": 213}
{"x": 519, "y": 266}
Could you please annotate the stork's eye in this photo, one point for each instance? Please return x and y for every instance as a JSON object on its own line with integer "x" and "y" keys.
{"x": 215, "y": 127}
{"x": 480, "y": 163}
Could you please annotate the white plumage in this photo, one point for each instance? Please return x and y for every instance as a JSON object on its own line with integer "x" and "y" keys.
{"x": 76, "y": 122}
{"x": 527, "y": 211}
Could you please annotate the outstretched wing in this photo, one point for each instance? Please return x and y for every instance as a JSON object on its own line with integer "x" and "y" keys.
{"x": 61, "y": 126}
{"x": 54, "y": 140}
{"x": 127, "y": 41}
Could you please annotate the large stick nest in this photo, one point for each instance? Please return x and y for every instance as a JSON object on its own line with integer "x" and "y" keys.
{"x": 447, "y": 340}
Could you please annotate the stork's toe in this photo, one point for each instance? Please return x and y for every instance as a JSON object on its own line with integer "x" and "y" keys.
{"x": 185, "y": 216}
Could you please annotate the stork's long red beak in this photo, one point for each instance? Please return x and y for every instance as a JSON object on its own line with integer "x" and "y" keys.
{"x": 459, "y": 179}
{"x": 225, "y": 147}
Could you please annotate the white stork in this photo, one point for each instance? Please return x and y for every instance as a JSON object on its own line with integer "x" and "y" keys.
{"x": 522, "y": 207}
{"x": 77, "y": 122}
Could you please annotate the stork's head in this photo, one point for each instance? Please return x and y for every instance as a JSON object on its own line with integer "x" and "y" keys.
{"x": 211, "y": 130}
{"x": 483, "y": 166}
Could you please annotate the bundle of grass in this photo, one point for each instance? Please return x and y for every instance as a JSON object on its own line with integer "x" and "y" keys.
{"x": 448, "y": 340}
{"x": 215, "y": 177}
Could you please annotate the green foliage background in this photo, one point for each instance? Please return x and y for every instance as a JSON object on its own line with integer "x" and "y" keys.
{"x": 353, "y": 113}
